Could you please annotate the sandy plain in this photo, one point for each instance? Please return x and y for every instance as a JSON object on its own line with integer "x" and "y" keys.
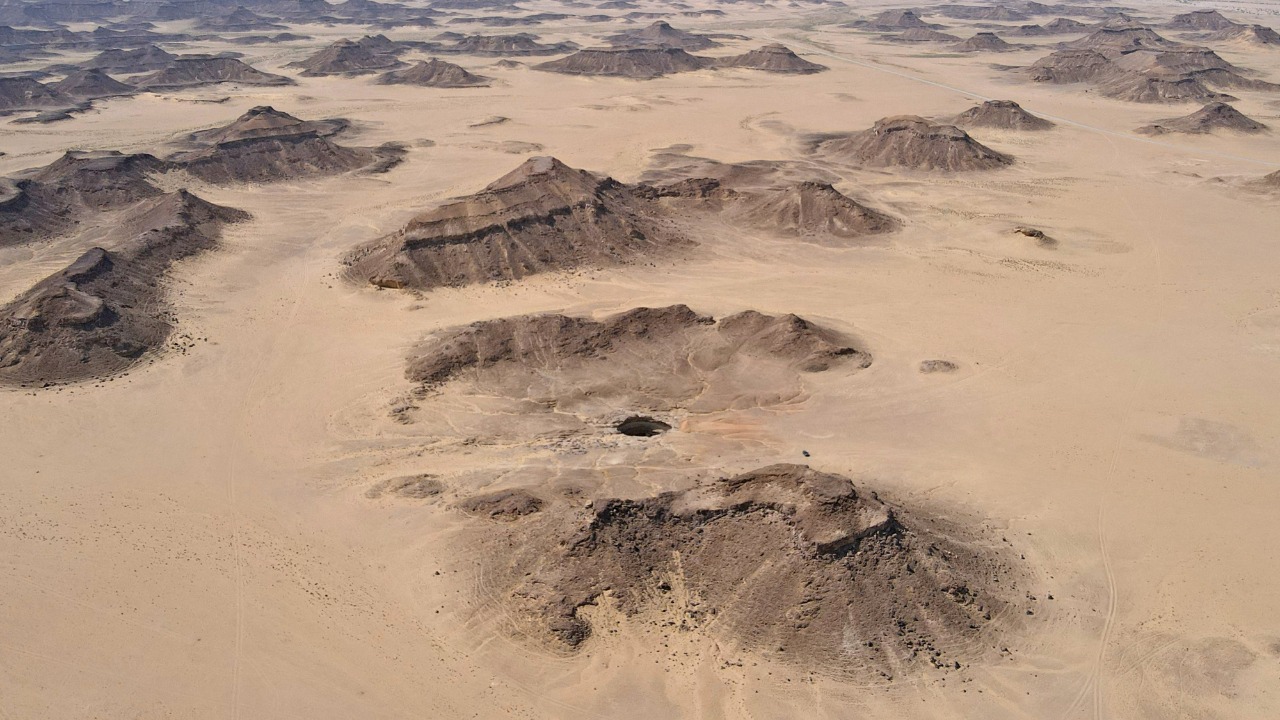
{"x": 193, "y": 540}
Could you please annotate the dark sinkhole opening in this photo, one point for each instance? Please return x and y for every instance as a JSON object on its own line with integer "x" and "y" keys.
{"x": 641, "y": 426}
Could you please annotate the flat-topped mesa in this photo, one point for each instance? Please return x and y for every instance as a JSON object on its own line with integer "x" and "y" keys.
{"x": 1000, "y": 115}
{"x": 434, "y": 73}
{"x": 771, "y": 58}
{"x": 784, "y": 561}
{"x": 985, "y": 42}
{"x": 98, "y": 316}
{"x": 186, "y": 72}
{"x": 1212, "y": 117}
{"x": 51, "y": 200}
{"x": 633, "y": 62}
{"x": 1207, "y": 20}
{"x": 91, "y": 85}
{"x": 20, "y": 93}
{"x": 266, "y": 121}
{"x": 912, "y": 142}
{"x": 348, "y": 57}
{"x": 661, "y": 34}
{"x": 543, "y": 216}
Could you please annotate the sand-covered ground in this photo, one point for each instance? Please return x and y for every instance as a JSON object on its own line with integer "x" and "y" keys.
{"x": 194, "y": 538}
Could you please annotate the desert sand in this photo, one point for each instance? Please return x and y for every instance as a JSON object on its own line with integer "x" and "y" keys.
{"x": 746, "y": 391}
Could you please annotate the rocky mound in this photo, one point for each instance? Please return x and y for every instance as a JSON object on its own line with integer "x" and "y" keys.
{"x": 503, "y": 505}
{"x": 54, "y": 198}
{"x": 811, "y": 209}
{"x": 102, "y": 313}
{"x": 1247, "y": 34}
{"x": 653, "y": 360}
{"x": 1064, "y": 26}
{"x": 912, "y": 142}
{"x": 670, "y": 166}
{"x": 797, "y": 565}
{"x": 347, "y": 57}
{"x": 543, "y": 216}
{"x": 148, "y": 58}
{"x": 1001, "y": 115}
{"x": 241, "y": 19}
{"x": 922, "y": 35}
{"x": 771, "y": 58}
{"x": 434, "y": 73}
{"x": 1147, "y": 75}
{"x": 985, "y": 42}
{"x": 266, "y": 145}
{"x": 1201, "y": 20}
{"x": 1268, "y": 183}
{"x": 1071, "y": 66}
{"x": 283, "y": 157}
{"x": 1211, "y": 117}
{"x": 661, "y": 34}
{"x": 516, "y": 45}
{"x": 998, "y": 13}
{"x": 20, "y": 93}
{"x": 91, "y": 85}
{"x": 641, "y": 63}
{"x": 1143, "y": 89}
{"x": 1123, "y": 38}
{"x": 266, "y": 121}
{"x": 185, "y": 72}
{"x": 894, "y": 20}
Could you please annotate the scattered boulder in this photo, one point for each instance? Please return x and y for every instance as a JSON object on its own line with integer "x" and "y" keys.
{"x": 911, "y": 142}
{"x": 434, "y": 73}
{"x": 1001, "y": 115}
{"x": 1212, "y": 117}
